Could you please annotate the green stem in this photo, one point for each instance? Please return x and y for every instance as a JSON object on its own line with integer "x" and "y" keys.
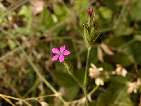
{"x": 43, "y": 79}
{"x": 85, "y": 76}
{"x": 93, "y": 90}
{"x": 86, "y": 68}
{"x": 29, "y": 59}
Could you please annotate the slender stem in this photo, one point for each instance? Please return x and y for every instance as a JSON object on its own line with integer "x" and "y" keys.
{"x": 7, "y": 98}
{"x": 43, "y": 79}
{"x": 32, "y": 88}
{"x": 9, "y": 101}
{"x": 10, "y": 97}
{"x": 88, "y": 95}
{"x": 85, "y": 76}
{"x": 86, "y": 68}
{"x": 29, "y": 59}
{"x": 93, "y": 90}
{"x": 40, "y": 97}
{"x": 9, "y": 53}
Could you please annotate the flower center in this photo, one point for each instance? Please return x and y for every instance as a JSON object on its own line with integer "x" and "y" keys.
{"x": 61, "y": 53}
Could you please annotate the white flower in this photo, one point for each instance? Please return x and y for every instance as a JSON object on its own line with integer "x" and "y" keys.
{"x": 134, "y": 86}
{"x": 120, "y": 71}
{"x": 94, "y": 72}
{"x": 99, "y": 81}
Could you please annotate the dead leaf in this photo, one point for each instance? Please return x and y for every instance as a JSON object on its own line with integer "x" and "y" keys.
{"x": 44, "y": 104}
{"x": 106, "y": 49}
{"x": 37, "y": 6}
{"x": 100, "y": 54}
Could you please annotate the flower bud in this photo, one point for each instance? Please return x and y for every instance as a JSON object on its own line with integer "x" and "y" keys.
{"x": 90, "y": 11}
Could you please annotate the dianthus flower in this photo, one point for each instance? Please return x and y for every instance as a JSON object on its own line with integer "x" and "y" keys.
{"x": 60, "y": 53}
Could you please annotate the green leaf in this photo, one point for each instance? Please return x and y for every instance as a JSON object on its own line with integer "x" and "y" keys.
{"x": 106, "y": 13}
{"x": 80, "y": 7}
{"x": 116, "y": 41}
{"x": 136, "y": 10}
{"x": 112, "y": 4}
{"x": 135, "y": 49}
{"x": 115, "y": 95}
{"x": 46, "y": 19}
{"x": 71, "y": 87}
{"x": 93, "y": 55}
{"x": 92, "y": 103}
{"x": 64, "y": 79}
{"x": 122, "y": 58}
{"x": 123, "y": 27}
{"x": 2, "y": 13}
{"x": 60, "y": 11}
{"x": 71, "y": 92}
{"x": 11, "y": 44}
{"x": 26, "y": 12}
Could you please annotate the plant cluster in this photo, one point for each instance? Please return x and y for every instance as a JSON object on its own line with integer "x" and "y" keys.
{"x": 70, "y": 52}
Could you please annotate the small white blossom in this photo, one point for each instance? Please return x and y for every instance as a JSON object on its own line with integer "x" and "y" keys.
{"x": 94, "y": 72}
{"x": 99, "y": 81}
{"x": 120, "y": 71}
{"x": 134, "y": 86}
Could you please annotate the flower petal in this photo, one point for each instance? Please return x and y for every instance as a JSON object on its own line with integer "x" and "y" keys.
{"x": 66, "y": 52}
{"x": 55, "y": 57}
{"x": 62, "y": 48}
{"x": 55, "y": 50}
{"x": 61, "y": 58}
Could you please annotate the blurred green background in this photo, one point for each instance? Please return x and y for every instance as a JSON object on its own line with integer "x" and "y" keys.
{"x": 30, "y": 28}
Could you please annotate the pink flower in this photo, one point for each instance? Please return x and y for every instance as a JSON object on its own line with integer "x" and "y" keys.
{"x": 59, "y": 53}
